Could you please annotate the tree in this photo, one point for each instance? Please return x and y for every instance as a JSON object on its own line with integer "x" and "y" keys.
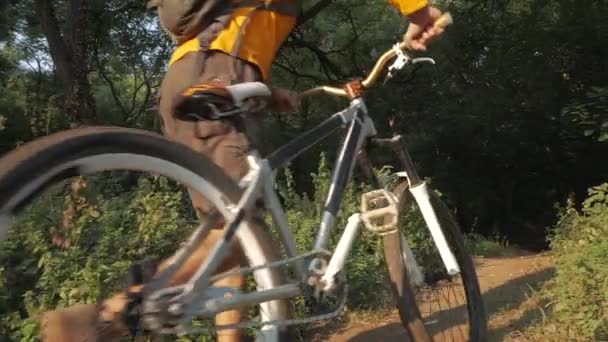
{"x": 70, "y": 43}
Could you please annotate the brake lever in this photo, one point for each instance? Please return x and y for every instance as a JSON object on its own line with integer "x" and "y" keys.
{"x": 423, "y": 60}
{"x": 403, "y": 59}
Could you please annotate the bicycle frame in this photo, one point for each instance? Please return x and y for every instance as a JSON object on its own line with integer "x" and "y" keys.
{"x": 258, "y": 184}
{"x": 360, "y": 127}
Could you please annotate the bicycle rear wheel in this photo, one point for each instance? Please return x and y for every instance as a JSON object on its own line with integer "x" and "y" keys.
{"x": 447, "y": 308}
{"x": 27, "y": 171}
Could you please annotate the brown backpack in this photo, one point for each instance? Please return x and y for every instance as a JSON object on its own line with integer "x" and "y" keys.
{"x": 186, "y": 19}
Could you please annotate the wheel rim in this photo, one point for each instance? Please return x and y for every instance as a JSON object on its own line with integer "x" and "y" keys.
{"x": 256, "y": 255}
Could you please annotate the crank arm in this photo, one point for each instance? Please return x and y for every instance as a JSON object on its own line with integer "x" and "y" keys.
{"x": 175, "y": 305}
{"x": 235, "y": 300}
{"x": 222, "y": 299}
{"x": 187, "y": 328}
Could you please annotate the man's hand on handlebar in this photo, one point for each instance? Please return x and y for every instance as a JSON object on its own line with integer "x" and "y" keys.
{"x": 422, "y": 29}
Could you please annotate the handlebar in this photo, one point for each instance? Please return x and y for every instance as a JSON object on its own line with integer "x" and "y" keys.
{"x": 372, "y": 77}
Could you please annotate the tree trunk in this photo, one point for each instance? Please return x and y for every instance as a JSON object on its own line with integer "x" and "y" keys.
{"x": 70, "y": 52}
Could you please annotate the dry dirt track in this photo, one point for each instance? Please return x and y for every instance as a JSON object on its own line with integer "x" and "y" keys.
{"x": 506, "y": 283}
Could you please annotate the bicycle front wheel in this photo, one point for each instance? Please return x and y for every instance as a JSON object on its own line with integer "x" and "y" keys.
{"x": 35, "y": 166}
{"x": 444, "y": 308}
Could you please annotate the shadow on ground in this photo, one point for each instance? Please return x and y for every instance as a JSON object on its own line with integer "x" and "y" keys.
{"x": 497, "y": 300}
{"x": 519, "y": 292}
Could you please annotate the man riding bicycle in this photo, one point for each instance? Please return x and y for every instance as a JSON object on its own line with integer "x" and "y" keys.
{"x": 217, "y": 45}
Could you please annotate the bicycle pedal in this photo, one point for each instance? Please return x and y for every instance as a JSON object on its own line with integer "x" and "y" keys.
{"x": 379, "y": 212}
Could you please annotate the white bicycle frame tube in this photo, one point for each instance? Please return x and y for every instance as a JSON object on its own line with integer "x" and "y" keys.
{"x": 421, "y": 194}
{"x": 338, "y": 258}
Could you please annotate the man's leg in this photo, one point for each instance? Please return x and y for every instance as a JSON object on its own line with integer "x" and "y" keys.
{"x": 223, "y": 141}
{"x": 89, "y": 322}
{"x": 225, "y": 145}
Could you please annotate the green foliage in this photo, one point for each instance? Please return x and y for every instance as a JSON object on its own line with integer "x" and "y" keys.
{"x": 479, "y": 245}
{"x": 108, "y": 227}
{"x": 75, "y": 243}
{"x": 579, "y": 292}
{"x": 525, "y": 78}
{"x": 591, "y": 113}
{"x": 489, "y": 122}
{"x": 597, "y": 200}
{"x": 510, "y": 120}
{"x": 365, "y": 268}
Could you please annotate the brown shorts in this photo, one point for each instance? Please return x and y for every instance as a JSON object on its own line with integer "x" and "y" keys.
{"x": 223, "y": 141}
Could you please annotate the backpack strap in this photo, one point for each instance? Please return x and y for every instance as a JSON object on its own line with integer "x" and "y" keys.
{"x": 210, "y": 33}
{"x": 289, "y": 8}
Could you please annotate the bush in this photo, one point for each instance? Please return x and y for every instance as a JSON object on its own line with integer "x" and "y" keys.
{"x": 366, "y": 268}
{"x": 76, "y": 242}
{"x": 108, "y": 226}
{"x": 579, "y": 291}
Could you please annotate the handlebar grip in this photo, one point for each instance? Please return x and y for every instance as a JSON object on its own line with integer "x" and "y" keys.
{"x": 445, "y": 20}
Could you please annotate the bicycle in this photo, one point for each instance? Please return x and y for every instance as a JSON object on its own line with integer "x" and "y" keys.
{"x": 318, "y": 273}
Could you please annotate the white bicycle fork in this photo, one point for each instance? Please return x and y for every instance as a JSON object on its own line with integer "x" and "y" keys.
{"x": 379, "y": 214}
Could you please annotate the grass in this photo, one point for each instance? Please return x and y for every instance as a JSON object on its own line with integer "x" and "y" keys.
{"x": 482, "y": 246}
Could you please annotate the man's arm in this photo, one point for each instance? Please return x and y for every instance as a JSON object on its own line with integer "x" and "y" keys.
{"x": 422, "y": 18}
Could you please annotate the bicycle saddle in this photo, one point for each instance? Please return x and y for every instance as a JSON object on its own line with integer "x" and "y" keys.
{"x": 212, "y": 101}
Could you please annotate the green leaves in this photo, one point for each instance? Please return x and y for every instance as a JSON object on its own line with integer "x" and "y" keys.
{"x": 579, "y": 290}
{"x": 111, "y": 226}
{"x": 365, "y": 268}
{"x": 590, "y": 113}
{"x": 597, "y": 199}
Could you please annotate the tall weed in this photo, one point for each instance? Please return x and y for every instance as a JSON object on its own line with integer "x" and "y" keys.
{"x": 578, "y": 295}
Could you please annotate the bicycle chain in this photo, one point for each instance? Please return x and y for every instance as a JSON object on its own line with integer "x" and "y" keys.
{"x": 278, "y": 323}
{"x": 274, "y": 264}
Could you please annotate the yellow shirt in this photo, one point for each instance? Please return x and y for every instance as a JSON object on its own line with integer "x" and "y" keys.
{"x": 408, "y": 6}
{"x": 264, "y": 34}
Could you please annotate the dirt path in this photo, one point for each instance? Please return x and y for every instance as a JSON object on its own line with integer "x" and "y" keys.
{"x": 505, "y": 282}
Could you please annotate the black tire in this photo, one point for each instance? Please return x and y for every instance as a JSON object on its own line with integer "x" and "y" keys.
{"x": 31, "y": 168}
{"x": 402, "y": 291}
{"x": 405, "y": 296}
